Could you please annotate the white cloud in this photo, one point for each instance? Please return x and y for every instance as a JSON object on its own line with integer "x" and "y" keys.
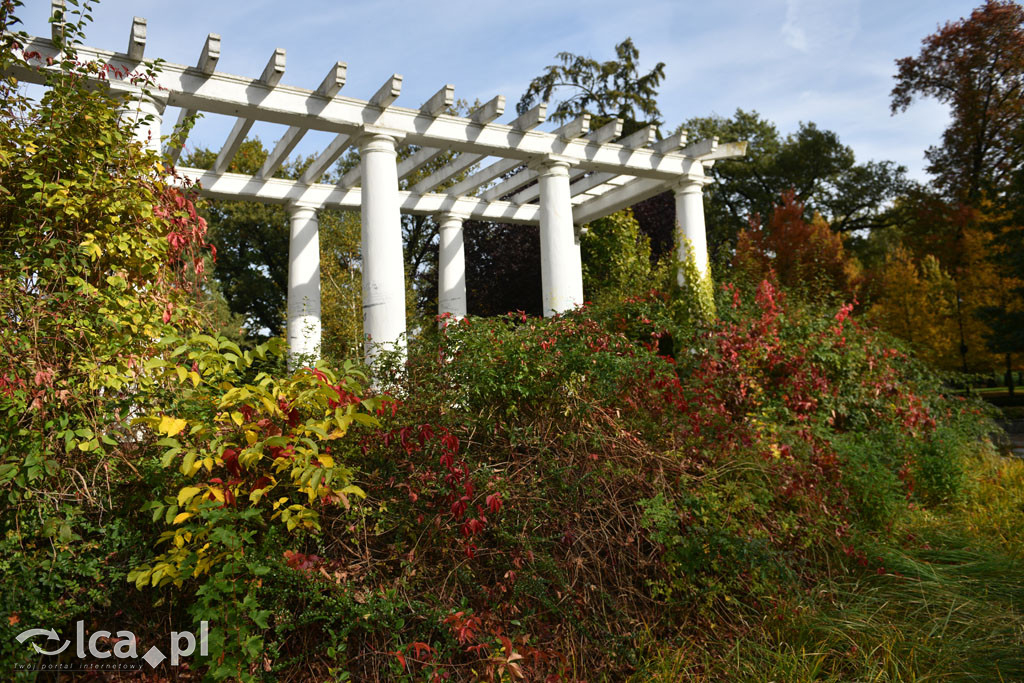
{"x": 815, "y": 25}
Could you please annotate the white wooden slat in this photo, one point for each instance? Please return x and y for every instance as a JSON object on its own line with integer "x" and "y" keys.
{"x": 388, "y": 92}
{"x": 621, "y": 197}
{"x": 489, "y": 111}
{"x": 332, "y": 83}
{"x": 282, "y": 191}
{"x": 701, "y": 148}
{"x": 671, "y": 143}
{"x": 221, "y": 93}
{"x": 210, "y": 55}
{"x": 327, "y": 157}
{"x": 271, "y": 76}
{"x": 137, "y": 39}
{"x": 439, "y": 101}
{"x": 603, "y": 134}
{"x": 575, "y": 128}
{"x": 607, "y": 132}
{"x": 57, "y": 27}
{"x": 207, "y": 64}
{"x": 725, "y": 150}
{"x": 527, "y": 121}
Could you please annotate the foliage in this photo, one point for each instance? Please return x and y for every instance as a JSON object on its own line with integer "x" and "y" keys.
{"x": 605, "y": 90}
{"x": 976, "y": 66}
{"x": 807, "y": 256}
{"x": 616, "y": 258}
{"x": 812, "y": 163}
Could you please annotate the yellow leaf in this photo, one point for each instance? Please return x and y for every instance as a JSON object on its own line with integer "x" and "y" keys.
{"x": 237, "y": 418}
{"x": 171, "y": 426}
{"x": 187, "y": 494}
{"x": 250, "y": 437}
{"x": 195, "y": 378}
{"x": 355, "y": 490}
{"x": 181, "y": 517}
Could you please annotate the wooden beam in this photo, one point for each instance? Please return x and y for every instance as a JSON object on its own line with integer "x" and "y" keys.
{"x": 219, "y": 93}
{"x": 671, "y": 143}
{"x": 640, "y": 138}
{"x": 282, "y": 191}
{"x": 210, "y": 55}
{"x": 725, "y": 150}
{"x": 271, "y": 76}
{"x": 458, "y": 165}
{"x": 527, "y": 121}
{"x": 636, "y": 140}
{"x": 274, "y": 69}
{"x": 700, "y": 149}
{"x": 489, "y": 111}
{"x": 57, "y": 9}
{"x": 388, "y": 92}
{"x": 334, "y": 80}
{"x": 207, "y": 64}
{"x": 327, "y": 157}
{"x": 332, "y": 83}
{"x": 575, "y": 128}
{"x": 607, "y": 132}
{"x": 439, "y": 101}
{"x": 137, "y": 39}
{"x": 620, "y": 198}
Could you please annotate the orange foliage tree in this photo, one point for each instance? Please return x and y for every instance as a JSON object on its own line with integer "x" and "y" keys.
{"x": 805, "y": 255}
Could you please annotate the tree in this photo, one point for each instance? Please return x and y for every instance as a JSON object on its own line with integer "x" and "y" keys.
{"x": 976, "y": 66}
{"x": 605, "y": 90}
{"x": 252, "y": 245}
{"x": 805, "y": 255}
{"x": 821, "y": 171}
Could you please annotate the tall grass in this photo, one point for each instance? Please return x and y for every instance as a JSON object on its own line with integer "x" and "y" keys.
{"x": 947, "y": 604}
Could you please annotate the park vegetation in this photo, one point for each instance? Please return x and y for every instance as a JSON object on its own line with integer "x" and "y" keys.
{"x": 795, "y": 488}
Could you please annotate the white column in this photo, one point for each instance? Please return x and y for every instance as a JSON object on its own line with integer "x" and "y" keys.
{"x": 135, "y": 110}
{"x": 451, "y": 267}
{"x": 383, "y": 263}
{"x": 303, "y": 285}
{"x": 560, "y": 263}
{"x": 691, "y": 235}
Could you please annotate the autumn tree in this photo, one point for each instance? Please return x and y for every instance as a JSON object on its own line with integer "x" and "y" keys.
{"x": 822, "y": 172}
{"x": 805, "y": 255}
{"x": 976, "y": 67}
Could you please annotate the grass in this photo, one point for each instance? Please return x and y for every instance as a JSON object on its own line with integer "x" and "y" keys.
{"x": 947, "y": 605}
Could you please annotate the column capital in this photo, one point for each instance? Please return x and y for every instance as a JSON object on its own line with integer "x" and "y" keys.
{"x": 552, "y": 164}
{"x": 374, "y": 137}
{"x": 691, "y": 183}
{"x": 444, "y": 217}
{"x": 297, "y": 209}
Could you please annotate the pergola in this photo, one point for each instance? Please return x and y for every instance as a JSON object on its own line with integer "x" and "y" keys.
{"x": 517, "y": 174}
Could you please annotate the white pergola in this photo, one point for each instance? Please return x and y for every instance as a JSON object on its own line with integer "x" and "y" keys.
{"x": 575, "y": 175}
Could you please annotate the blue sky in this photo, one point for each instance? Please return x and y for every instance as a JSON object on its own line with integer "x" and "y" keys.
{"x": 827, "y": 61}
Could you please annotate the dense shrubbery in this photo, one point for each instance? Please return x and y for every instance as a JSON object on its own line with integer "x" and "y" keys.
{"x": 548, "y": 500}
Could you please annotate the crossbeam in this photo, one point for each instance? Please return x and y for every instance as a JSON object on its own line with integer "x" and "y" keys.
{"x": 271, "y": 76}
{"x": 248, "y": 98}
{"x": 332, "y": 83}
{"x": 234, "y": 186}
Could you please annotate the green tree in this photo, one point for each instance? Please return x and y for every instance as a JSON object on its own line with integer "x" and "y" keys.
{"x": 605, "y": 90}
{"x": 821, "y": 171}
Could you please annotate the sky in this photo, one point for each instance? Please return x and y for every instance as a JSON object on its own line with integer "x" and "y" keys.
{"x": 827, "y": 61}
